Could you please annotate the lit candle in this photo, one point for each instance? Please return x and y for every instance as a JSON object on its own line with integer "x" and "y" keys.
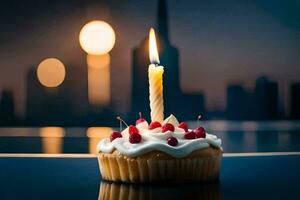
{"x": 155, "y": 75}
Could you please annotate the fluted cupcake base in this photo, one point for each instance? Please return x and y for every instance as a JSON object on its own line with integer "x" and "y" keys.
{"x": 200, "y": 165}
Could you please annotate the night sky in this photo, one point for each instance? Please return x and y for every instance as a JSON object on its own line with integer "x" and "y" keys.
{"x": 220, "y": 42}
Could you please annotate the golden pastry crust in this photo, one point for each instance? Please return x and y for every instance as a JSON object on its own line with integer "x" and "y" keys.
{"x": 200, "y": 165}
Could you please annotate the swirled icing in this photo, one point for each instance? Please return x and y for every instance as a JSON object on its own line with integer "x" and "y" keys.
{"x": 156, "y": 140}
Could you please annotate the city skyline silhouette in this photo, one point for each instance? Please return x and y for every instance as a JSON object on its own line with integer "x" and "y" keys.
{"x": 68, "y": 104}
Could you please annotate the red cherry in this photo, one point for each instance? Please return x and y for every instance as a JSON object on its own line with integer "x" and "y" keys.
{"x": 114, "y": 135}
{"x": 190, "y": 135}
{"x": 168, "y": 127}
{"x": 200, "y": 132}
{"x": 172, "y": 141}
{"x": 135, "y": 138}
{"x": 133, "y": 129}
{"x": 154, "y": 125}
{"x": 140, "y": 120}
{"x": 184, "y": 126}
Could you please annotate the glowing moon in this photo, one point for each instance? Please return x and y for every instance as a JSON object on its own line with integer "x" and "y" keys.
{"x": 51, "y": 72}
{"x": 97, "y": 37}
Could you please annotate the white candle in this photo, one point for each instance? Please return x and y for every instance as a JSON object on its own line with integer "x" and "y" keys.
{"x": 155, "y": 75}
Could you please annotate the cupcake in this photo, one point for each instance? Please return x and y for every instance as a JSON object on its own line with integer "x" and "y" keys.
{"x": 168, "y": 151}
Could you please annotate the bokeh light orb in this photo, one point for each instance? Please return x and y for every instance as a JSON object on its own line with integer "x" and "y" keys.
{"x": 97, "y": 37}
{"x": 51, "y": 72}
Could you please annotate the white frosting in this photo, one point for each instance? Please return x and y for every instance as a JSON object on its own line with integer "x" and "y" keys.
{"x": 156, "y": 140}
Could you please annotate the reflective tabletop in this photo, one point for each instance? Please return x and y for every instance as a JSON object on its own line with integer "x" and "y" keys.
{"x": 261, "y": 161}
{"x": 243, "y": 176}
{"x": 237, "y": 137}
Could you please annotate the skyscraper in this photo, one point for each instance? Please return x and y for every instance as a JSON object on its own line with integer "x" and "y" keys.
{"x": 295, "y": 100}
{"x": 260, "y": 104}
{"x": 46, "y": 106}
{"x": 7, "y": 108}
{"x": 185, "y": 106}
{"x": 236, "y": 96}
{"x": 266, "y": 94}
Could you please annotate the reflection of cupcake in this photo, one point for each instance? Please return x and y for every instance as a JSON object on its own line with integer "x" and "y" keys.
{"x": 109, "y": 190}
{"x": 152, "y": 153}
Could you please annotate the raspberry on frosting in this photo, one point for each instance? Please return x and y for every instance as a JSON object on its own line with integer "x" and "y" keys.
{"x": 114, "y": 135}
{"x": 154, "y": 125}
{"x": 200, "y": 132}
{"x": 133, "y": 129}
{"x": 172, "y": 141}
{"x": 184, "y": 126}
{"x": 168, "y": 127}
{"x": 140, "y": 120}
{"x": 190, "y": 135}
{"x": 135, "y": 138}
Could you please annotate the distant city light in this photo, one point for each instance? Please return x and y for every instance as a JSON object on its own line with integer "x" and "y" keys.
{"x": 99, "y": 79}
{"x": 97, "y": 37}
{"x": 98, "y": 132}
{"x": 98, "y": 61}
{"x": 52, "y": 139}
{"x": 95, "y": 134}
{"x": 52, "y": 132}
{"x": 51, "y": 72}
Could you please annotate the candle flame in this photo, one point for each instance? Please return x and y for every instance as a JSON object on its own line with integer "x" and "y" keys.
{"x": 153, "y": 53}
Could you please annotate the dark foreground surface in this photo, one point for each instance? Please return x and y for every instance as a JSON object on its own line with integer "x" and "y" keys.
{"x": 61, "y": 177}
{"x": 64, "y": 176}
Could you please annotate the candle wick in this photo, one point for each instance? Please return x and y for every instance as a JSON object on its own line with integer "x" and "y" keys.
{"x": 155, "y": 64}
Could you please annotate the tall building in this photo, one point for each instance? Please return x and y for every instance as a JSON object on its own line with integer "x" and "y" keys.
{"x": 295, "y": 100}
{"x": 76, "y": 88}
{"x": 7, "y": 108}
{"x": 66, "y": 104}
{"x": 260, "y": 104}
{"x": 46, "y": 106}
{"x": 236, "y": 96}
{"x": 184, "y": 106}
{"x": 240, "y": 103}
{"x": 266, "y": 94}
